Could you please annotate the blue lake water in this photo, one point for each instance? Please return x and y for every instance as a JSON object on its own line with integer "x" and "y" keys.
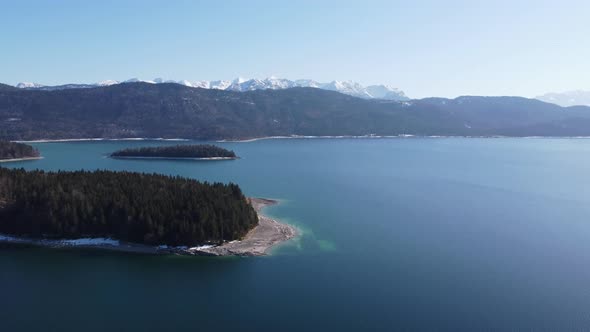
{"x": 397, "y": 234}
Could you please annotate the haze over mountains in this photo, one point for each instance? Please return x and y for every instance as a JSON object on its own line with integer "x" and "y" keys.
{"x": 176, "y": 111}
{"x": 239, "y": 84}
{"x": 568, "y": 98}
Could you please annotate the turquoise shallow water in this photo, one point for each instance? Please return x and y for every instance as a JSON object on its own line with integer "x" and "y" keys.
{"x": 398, "y": 234}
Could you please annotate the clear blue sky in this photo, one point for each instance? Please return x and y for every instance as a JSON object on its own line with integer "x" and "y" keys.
{"x": 426, "y": 48}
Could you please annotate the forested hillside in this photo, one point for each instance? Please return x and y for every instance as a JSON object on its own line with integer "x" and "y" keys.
{"x": 150, "y": 209}
{"x": 173, "y": 110}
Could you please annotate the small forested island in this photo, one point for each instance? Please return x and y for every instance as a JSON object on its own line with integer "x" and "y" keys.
{"x": 146, "y": 209}
{"x": 10, "y": 151}
{"x": 199, "y": 151}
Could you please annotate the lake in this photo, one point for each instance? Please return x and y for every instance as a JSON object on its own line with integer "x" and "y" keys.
{"x": 397, "y": 234}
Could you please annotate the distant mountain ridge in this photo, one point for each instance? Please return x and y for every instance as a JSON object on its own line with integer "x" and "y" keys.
{"x": 241, "y": 85}
{"x": 568, "y": 98}
{"x": 176, "y": 111}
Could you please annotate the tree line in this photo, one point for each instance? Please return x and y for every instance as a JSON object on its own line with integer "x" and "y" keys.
{"x": 142, "y": 208}
{"x": 178, "y": 151}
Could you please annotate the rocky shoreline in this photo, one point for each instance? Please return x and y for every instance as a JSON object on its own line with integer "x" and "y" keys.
{"x": 260, "y": 239}
{"x": 257, "y": 242}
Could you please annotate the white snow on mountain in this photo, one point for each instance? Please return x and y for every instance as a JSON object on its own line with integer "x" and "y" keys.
{"x": 198, "y": 84}
{"x": 136, "y": 80}
{"x": 242, "y": 85}
{"x": 308, "y": 84}
{"x": 107, "y": 83}
{"x": 220, "y": 85}
{"x": 29, "y": 85}
{"x": 384, "y": 92}
{"x": 347, "y": 87}
{"x": 256, "y": 84}
{"x": 568, "y": 98}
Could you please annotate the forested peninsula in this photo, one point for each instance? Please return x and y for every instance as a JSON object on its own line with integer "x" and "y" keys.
{"x": 17, "y": 151}
{"x": 148, "y": 209}
{"x": 198, "y": 151}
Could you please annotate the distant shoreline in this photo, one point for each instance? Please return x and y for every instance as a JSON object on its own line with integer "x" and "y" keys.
{"x": 246, "y": 140}
{"x": 19, "y": 159}
{"x": 64, "y": 140}
{"x": 258, "y": 242}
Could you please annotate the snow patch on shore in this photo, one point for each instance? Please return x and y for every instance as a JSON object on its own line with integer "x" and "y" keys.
{"x": 207, "y": 246}
{"x": 62, "y": 242}
{"x": 6, "y": 238}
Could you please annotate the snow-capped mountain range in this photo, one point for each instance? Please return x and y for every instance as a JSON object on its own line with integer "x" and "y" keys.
{"x": 241, "y": 85}
{"x": 568, "y": 98}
